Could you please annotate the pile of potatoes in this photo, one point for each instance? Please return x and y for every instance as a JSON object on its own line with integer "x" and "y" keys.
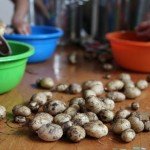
{"x": 87, "y": 115}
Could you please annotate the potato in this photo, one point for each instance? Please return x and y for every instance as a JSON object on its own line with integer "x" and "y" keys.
{"x": 106, "y": 115}
{"x": 136, "y": 124}
{"x": 128, "y": 135}
{"x": 80, "y": 119}
{"x": 55, "y": 107}
{"x": 116, "y": 96}
{"x": 76, "y": 133}
{"x": 93, "y": 104}
{"x": 92, "y": 116}
{"x": 115, "y": 85}
{"x": 120, "y": 125}
{"x": 40, "y": 119}
{"x": 95, "y": 130}
{"x": 132, "y": 93}
{"x": 50, "y": 132}
{"x": 20, "y": 110}
{"x": 62, "y": 118}
{"x": 2, "y": 112}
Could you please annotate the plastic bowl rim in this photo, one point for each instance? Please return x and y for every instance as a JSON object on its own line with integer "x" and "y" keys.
{"x": 111, "y": 38}
{"x": 59, "y": 33}
{"x": 24, "y": 55}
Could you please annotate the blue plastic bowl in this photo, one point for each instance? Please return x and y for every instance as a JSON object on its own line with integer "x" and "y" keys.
{"x": 43, "y": 38}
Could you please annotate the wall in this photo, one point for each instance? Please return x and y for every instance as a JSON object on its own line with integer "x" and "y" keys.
{"x": 6, "y": 11}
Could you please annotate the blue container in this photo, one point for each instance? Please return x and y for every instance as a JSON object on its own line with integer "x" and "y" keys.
{"x": 43, "y": 38}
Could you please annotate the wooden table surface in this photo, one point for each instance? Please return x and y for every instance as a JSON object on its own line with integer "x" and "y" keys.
{"x": 14, "y": 137}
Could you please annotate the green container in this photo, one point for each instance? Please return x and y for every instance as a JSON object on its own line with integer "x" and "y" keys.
{"x": 12, "y": 67}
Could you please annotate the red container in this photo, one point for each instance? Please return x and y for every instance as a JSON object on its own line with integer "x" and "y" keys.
{"x": 130, "y": 51}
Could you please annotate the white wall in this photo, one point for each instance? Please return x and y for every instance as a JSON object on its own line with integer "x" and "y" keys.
{"x": 6, "y": 11}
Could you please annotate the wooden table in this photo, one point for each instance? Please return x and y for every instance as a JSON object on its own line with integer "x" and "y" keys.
{"x": 14, "y": 137}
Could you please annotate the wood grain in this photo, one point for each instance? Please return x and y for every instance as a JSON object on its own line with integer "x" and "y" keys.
{"x": 14, "y": 137}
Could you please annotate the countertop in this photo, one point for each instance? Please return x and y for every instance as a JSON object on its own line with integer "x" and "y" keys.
{"x": 16, "y": 137}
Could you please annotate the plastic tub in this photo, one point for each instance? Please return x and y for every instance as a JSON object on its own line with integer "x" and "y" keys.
{"x": 130, "y": 51}
{"x": 12, "y": 67}
{"x": 43, "y": 38}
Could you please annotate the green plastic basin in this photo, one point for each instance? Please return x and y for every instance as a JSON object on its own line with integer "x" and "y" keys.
{"x": 12, "y": 67}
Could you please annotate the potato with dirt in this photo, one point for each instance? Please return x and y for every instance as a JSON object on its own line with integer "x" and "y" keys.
{"x": 128, "y": 135}
{"x": 115, "y": 85}
{"x": 93, "y": 104}
{"x": 50, "y": 132}
{"x": 116, "y": 96}
{"x": 2, "y": 112}
{"x": 76, "y": 133}
{"x": 80, "y": 119}
{"x": 40, "y": 119}
{"x": 21, "y": 110}
{"x": 136, "y": 124}
{"x": 95, "y": 130}
{"x": 120, "y": 125}
{"x": 46, "y": 83}
{"x": 106, "y": 115}
{"x": 74, "y": 88}
{"x": 132, "y": 93}
{"x": 55, "y": 107}
{"x": 62, "y": 118}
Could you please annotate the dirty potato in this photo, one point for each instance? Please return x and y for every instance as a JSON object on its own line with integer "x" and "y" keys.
{"x": 50, "y": 132}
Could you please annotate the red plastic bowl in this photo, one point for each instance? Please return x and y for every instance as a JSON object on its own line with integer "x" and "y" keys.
{"x": 130, "y": 51}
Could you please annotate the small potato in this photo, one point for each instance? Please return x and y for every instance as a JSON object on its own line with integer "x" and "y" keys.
{"x": 132, "y": 93}
{"x": 65, "y": 126}
{"x": 120, "y": 125}
{"x": 72, "y": 110}
{"x": 89, "y": 93}
{"x": 129, "y": 84}
{"x": 107, "y": 67}
{"x": 128, "y": 135}
{"x": 147, "y": 126}
{"x": 76, "y": 133}
{"x": 50, "y": 132}
{"x": 48, "y": 95}
{"x": 116, "y": 96}
{"x": 122, "y": 114}
{"x": 135, "y": 105}
{"x": 40, "y": 119}
{"x": 2, "y": 112}
{"x": 46, "y": 83}
{"x": 78, "y": 101}
{"x": 89, "y": 84}
{"x": 55, "y": 107}
{"x": 106, "y": 115}
{"x": 74, "y": 88}
{"x": 62, "y": 118}
{"x": 124, "y": 77}
{"x": 108, "y": 104}
{"x": 136, "y": 124}
{"x": 72, "y": 58}
{"x": 20, "y": 110}
{"x": 80, "y": 119}
{"x": 62, "y": 87}
{"x": 142, "y": 84}
{"x": 92, "y": 116}
{"x": 98, "y": 89}
{"x": 93, "y": 104}
{"x": 40, "y": 98}
{"x": 96, "y": 130}
{"x": 115, "y": 85}
{"x": 20, "y": 119}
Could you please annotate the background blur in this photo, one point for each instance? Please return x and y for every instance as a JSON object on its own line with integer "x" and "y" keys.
{"x": 85, "y": 18}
